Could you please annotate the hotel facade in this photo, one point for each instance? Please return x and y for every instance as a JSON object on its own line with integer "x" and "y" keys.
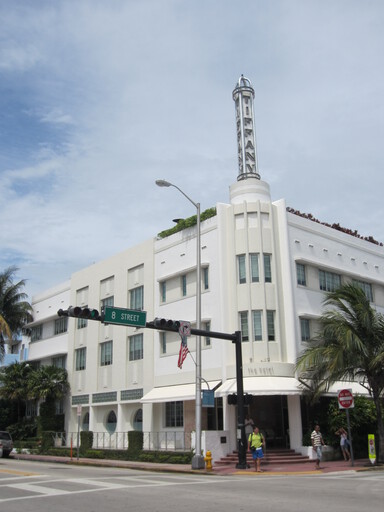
{"x": 264, "y": 271}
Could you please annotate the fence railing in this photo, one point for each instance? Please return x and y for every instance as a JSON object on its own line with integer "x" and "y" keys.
{"x": 153, "y": 441}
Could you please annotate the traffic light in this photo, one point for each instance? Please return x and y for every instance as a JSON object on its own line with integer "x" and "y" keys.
{"x": 78, "y": 312}
{"x": 163, "y": 323}
{"x": 232, "y": 399}
{"x": 248, "y": 399}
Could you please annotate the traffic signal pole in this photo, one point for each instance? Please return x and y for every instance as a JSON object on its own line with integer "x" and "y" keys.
{"x": 173, "y": 326}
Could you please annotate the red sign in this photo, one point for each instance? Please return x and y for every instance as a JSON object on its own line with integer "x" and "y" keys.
{"x": 345, "y": 399}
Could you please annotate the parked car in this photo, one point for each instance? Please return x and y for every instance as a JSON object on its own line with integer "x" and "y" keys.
{"x": 6, "y": 443}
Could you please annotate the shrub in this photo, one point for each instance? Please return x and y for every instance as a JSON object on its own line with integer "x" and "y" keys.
{"x": 135, "y": 444}
{"x": 86, "y": 441}
{"x": 47, "y": 441}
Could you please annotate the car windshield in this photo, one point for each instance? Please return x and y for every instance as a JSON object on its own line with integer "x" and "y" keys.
{"x": 5, "y": 436}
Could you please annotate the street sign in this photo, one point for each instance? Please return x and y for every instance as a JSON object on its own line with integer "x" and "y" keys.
{"x": 121, "y": 316}
{"x": 185, "y": 328}
{"x": 345, "y": 399}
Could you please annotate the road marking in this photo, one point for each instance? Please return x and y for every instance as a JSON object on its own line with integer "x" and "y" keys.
{"x": 15, "y": 472}
{"x": 40, "y": 491}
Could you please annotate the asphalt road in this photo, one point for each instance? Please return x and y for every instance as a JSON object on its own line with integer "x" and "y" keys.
{"x": 45, "y": 487}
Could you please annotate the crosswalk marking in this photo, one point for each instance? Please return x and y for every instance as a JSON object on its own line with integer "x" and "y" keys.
{"x": 40, "y": 489}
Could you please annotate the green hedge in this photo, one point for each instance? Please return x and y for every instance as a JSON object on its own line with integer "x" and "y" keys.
{"x": 144, "y": 456}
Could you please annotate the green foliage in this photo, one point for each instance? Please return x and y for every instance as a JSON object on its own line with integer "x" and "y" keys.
{"x": 47, "y": 441}
{"x": 8, "y": 414}
{"x": 46, "y": 420}
{"x": 188, "y": 223}
{"x": 166, "y": 457}
{"x": 25, "y": 429}
{"x": 86, "y": 441}
{"x": 32, "y": 445}
{"x": 94, "y": 454}
{"x": 362, "y": 419}
{"x": 327, "y": 414}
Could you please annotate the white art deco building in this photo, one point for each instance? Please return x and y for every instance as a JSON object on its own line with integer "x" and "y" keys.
{"x": 264, "y": 271}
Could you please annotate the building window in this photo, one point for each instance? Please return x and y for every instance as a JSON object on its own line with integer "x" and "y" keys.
{"x": 82, "y": 323}
{"x": 254, "y": 264}
{"x": 174, "y": 414}
{"x": 241, "y": 268}
{"x": 206, "y": 278}
{"x": 30, "y": 408}
{"x": 108, "y": 301}
{"x": 37, "y": 332}
{"x": 267, "y": 268}
{"x": 136, "y": 298}
{"x": 138, "y": 420}
{"x": 59, "y": 361}
{"x": 163, "y": 291}
{"x": 163, "y": 343}
{"x": 207, "y": 339}
{"x": 300, "y": 273}
{"x": 257, "y": 326}
{"x": 85, "y": 424}
{"x": 81, "y": 358}
{"x": 106, "y": 350}
{"x": 329, "y": 282}
{"x": 59, "y": 406}
{"x": 244, "y": 326}
{"x": 136, "y": 347}
{"x": 305, "y": 330}
{"x": 111, "y": 422}
{"x": 184, "y": 285}
{"x": 366, "y": 287}
{"x": 271, "y": 325}
{"x": 61, "y": 325}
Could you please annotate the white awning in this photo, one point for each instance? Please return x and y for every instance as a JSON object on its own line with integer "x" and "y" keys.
{"x": 176, "y": 393}
{"x": 261, "y": 386}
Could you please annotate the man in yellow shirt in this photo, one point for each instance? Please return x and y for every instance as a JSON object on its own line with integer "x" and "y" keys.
{"x": 256, "y": 443}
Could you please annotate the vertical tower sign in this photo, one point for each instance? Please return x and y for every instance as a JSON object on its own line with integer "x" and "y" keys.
{"x": 243, "y": 95}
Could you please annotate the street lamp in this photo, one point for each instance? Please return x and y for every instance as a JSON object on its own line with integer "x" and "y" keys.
{"x": 198, "y": 459}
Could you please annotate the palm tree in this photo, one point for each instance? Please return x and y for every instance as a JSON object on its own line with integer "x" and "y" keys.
{"x": 48, "y": 383}
{"x": 15, "y": 311}
{"x": 349, "y": 346}
{"x": 14, "y": 384}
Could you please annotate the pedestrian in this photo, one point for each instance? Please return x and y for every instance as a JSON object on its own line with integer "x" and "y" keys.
{"x": 248, "y": 425}
{"x": 256, "y": 443}
{"x": 344, "y": 443}
{"x": 317, "y": 444}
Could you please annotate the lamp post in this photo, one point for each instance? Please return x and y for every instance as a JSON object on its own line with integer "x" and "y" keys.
{"x": 198, "y": 459}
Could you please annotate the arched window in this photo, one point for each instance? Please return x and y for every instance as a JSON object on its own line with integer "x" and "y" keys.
{"x": 86, "y": 422}
{"x": 111, "y": 422}
{"x": 138, "y": 420}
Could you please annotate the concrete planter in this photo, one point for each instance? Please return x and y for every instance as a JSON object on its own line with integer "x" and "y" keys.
{"x": 328, "y": 452}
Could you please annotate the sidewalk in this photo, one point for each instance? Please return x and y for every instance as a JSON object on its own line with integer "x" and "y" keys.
{"x": 268, "y": 469}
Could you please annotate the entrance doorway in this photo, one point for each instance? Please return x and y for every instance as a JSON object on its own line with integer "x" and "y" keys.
{"x": 270, "y": 414}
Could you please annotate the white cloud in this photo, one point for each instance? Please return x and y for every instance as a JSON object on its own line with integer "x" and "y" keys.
{"x": 108, "y": 97}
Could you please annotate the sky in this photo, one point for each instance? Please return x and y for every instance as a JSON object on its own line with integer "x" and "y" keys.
{"x": 99, "y": 98}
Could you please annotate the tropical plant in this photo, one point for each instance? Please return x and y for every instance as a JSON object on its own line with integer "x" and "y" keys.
{"x": 349, "y": 347}
{"x": 14, "y": 384}
{"x": 48, "y": 383}
{"x": 15, "y": 311}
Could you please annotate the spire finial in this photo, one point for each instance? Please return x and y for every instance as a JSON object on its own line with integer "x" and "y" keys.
{"x": 243, "y": 95}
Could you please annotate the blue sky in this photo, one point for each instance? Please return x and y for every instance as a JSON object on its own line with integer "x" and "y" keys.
{"x": 100, "y": 98}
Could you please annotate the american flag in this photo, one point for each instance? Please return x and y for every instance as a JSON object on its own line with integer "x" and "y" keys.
{"x": 183, "y": 351}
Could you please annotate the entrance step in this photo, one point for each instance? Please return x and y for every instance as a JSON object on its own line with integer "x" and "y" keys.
{"x": 271, "y": 456}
